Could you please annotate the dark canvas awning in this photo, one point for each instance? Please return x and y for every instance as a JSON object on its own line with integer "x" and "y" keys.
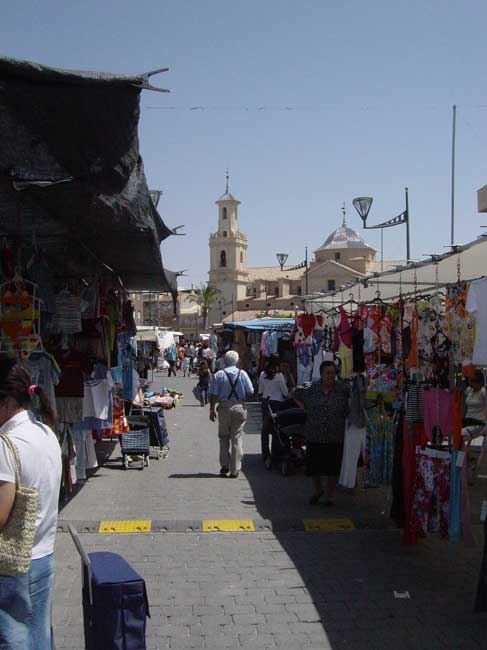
{"x": 71, "y": 174}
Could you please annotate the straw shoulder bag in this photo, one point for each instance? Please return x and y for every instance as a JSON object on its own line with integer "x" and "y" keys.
{"x": 17, "y": 536}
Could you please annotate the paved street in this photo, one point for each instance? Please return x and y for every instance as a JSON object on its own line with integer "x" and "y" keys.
{"x": 277, "y": 587}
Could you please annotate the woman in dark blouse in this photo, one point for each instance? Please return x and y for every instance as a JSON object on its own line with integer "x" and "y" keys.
{"x": 326, "y": 406}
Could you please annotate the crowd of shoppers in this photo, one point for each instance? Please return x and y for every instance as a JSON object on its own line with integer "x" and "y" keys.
{"x": 186, "y": 358}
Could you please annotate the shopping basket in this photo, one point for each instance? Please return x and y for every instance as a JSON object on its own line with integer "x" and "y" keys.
{"x": 135, "y": 443}
{"x": 115, "y": 604}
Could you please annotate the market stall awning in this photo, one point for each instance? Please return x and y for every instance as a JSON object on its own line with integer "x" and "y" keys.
{"x": 71, "y": 177}
{"x": 263, "y": 324}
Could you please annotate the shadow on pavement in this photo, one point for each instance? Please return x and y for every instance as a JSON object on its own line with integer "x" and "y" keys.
{"x": 199, "y": 475}
{"x": 347, "y": 580}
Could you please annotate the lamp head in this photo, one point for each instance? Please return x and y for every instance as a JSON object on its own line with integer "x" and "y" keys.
{"x": 362, "y": 204}
{"x": 282, "y": 259}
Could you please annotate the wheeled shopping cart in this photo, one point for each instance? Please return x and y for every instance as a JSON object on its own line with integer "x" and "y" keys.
{"x": 115, "y": 604}
{"x": 153, "y": 419}
{"x": 135, "y": 443}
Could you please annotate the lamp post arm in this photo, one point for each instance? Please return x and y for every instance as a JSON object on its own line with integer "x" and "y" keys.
{"x": 397, "y": 221}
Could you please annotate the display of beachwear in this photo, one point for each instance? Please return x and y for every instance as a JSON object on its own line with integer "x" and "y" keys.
{"x": 414, "y": 357}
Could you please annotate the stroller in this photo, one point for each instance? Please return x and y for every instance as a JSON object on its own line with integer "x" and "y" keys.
{"x": 288, "y": 442}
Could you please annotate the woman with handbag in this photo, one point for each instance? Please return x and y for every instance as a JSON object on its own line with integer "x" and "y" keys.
{"x": 30, "y": 477}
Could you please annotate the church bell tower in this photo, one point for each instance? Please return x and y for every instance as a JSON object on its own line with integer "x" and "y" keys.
{"x": 228, "y": 258}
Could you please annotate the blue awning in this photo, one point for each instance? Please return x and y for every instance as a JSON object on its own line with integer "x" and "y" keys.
{"x": 263, "y": 324}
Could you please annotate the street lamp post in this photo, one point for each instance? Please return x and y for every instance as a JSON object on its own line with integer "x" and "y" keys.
{"x": 306, "y": 270}
{"x": 363, "y": 204}
{"x": 155, "y": 196}
{"x": 302, "y": 265}
{"x": 282, "y": 259}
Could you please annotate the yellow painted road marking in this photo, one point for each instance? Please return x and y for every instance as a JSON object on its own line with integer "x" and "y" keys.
{"x": 126, "y": 526}
{"x": 228, "y": 525}
{"x": 327, "y": 525}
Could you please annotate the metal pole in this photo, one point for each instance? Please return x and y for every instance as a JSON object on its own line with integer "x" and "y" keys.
{"x": 382, "y": 250}
{"x": 306, "y": 272}
{"x": 408, "y": 243}
{"x": 452, "y": 238}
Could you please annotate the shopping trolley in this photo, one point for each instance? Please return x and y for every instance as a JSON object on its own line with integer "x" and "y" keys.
{"x": 115, "y": 603}
{"x": 153, "y": 419}
{"x": 135, "y": 443}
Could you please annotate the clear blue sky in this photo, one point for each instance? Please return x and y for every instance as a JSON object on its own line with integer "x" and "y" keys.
{"x": 371, "y": 85}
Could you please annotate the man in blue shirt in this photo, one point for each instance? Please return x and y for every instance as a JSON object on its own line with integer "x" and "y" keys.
{"x": 230, "y": 388}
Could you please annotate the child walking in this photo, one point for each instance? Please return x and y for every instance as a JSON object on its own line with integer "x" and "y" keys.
{"x": 204, "y": 379}
{"x": 185, "y": 366}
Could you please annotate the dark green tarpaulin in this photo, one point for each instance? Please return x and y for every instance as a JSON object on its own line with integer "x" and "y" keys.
{"x": 71, "y": 175}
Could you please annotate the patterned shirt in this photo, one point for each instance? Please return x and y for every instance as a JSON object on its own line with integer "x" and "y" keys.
{"x": 325, "y": 412}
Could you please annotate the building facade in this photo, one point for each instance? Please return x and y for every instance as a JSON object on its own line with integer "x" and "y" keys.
{"x": 157, "y": 309}
{"x": 250, "y": 292}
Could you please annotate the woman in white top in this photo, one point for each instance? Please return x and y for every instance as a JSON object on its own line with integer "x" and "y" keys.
{"x": 475, "y": 398}
{"x": 273, "y": 393}
{"x": 26, "y": 600}
{"x": 476, "y": 403}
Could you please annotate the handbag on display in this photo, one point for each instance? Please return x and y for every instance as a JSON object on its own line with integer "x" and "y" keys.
{"x": 17, "y": 536}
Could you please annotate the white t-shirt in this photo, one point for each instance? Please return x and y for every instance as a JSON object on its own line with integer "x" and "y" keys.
{"x": 96, "y": 402}
{"x": 477, "y": 304}
{"x": 41, "y": 466}
{"x": 274, "y": 389}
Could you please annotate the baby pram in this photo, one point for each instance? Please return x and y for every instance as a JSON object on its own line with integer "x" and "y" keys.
{"x": 288, "y": 442}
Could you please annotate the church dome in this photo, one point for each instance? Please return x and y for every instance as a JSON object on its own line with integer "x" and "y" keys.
{"x": 344, "y": 237}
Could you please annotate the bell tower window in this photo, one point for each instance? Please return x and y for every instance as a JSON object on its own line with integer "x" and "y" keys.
{"x": 223, "y": 259}
{"x": 225, "y": 234}
{"x": 241, "y": 257}
{"x": 224, "y": 213}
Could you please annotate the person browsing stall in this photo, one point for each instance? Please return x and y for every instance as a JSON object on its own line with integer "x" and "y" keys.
{"x": 26, "y": 595}
{"x": 273, "y": 393}
{"x": 229, "y": 389}
{"x": 326, "y": 404}
{"x": 475, "y": 416}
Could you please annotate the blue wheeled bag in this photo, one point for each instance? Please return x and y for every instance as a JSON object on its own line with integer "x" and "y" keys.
{"x": 115, "y": 604}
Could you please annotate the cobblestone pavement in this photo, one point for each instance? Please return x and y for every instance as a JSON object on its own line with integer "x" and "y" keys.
{"x": 279, "y": 589}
